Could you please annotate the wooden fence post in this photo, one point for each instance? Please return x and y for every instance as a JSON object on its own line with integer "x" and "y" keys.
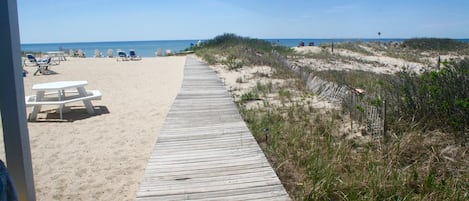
{"x": 384, "y": 118}
{"x": 351, "y": 109}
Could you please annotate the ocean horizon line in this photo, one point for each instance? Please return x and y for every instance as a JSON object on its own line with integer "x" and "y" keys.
{"x": 117, "y": 41}
{"x": 148, "y": 48}
{"x": 303, "y": 38}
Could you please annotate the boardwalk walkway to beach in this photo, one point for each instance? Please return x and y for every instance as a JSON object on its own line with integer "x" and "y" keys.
{"x": 205, "y": 151}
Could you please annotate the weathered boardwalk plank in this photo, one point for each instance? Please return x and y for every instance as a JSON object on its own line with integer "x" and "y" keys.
{"x": 205, "y": 150}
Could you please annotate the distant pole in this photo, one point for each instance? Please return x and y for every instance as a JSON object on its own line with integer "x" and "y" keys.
{"x": 379, "y": 37}
{"x": 332, "y": 46}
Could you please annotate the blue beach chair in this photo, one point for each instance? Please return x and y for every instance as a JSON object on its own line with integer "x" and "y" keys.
{"x": 133, "y": 55}
{"x": 122, "y": 56}
{"x": 43, "y": 66}
{"x": 32, "y": 61}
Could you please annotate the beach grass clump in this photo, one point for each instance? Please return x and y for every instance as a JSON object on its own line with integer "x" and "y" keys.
{"x": 236, "y": 51}
{"x": 396, "y": 50}
{"x": 265, "y": 89}
{"x": 332, "y": 58}
{"x": 249, "y": 96}
{"x": 325, "y": 55}
{"x": 315, "y": 161}
{"x": 232, "y": 62}
{"x": 429, "y": 100}
{"x": 414, "y": 50}
{"x": 411, "y": 56}
{"x": 369, "y": 81}
{"x": 435, "y": 99}
{"x": 355, "y": 47}
{"x": 435, "y": 44}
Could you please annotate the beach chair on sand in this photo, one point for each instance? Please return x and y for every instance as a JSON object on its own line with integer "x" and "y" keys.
{"x": 43, "y": 66}
{"x": 30, "y": 60}
{"x": 133, "y": 55}
{"x": 71, "y": 53}
{"x": 159, "y": 52}
{"x": 121, "y": 55}
{"x": 109, "y": 53}
{"x": 80, "y": 53}
{"x": 97, "y": 53}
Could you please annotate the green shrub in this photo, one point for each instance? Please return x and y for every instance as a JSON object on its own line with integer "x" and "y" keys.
{"x": 249, "y": 96}
{"x": 436, "y": 99}
{"x": 233, "y": 63}
{"x": 435, "y": 44}
{"x": 264, "y": 88}
{"x": 240, "y": 51}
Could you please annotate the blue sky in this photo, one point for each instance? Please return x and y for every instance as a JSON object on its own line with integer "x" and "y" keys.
{"x": 49, "y": 21}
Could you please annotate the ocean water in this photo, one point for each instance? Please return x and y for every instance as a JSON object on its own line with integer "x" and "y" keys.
{"x": 142, "y": 48}
{"x": 149, "y": 48}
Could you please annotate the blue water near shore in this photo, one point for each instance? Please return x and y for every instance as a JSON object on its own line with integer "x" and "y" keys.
{"x": 148, "y": 48}
{"x": 143, "y": 48}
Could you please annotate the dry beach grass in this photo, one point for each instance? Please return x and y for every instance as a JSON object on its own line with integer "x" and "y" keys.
{"x": 326, "y": 153}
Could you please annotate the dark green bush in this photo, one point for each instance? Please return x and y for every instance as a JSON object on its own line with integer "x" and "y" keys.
{"x": 435, "y": 44}
{"x": 250, "y": 96}
{"x": 436, "y": 99}
{"x": 247, "y": 51}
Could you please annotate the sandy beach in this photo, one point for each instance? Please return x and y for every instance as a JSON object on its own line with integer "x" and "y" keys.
{"x": 103, "y": 156}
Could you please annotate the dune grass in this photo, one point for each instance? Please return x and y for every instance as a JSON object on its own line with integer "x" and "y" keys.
{"x": 317, "y": 159}
{"x": 315, "y": 163}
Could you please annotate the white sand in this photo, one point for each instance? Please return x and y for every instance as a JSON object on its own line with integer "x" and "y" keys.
{"x": 102, "y": 157}
{"x": 377, "y": 63}
{"x": 247, "y": 78}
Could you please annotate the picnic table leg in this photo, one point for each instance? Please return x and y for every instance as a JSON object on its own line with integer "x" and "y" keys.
{"x": 61, "y": 94}
{"x": 37, "y": 108}
{"x": 88, "y": 105}
{"x": 56, "y": 61}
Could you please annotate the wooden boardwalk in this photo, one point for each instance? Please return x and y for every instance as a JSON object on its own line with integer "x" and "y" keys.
{"x": 205, "y": 150}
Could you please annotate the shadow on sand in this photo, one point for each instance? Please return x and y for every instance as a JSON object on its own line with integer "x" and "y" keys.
{"x": 71, "y": 114}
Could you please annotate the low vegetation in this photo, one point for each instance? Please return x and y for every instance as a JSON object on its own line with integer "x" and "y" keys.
{"x": 435, "y": 44}
{"x": 236, "y": 51}
{"x": 434, "y": 99}
{"x": 355, "y": 47}
{"x": 422, "y": 157}
{"x": 429, "y": 100}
